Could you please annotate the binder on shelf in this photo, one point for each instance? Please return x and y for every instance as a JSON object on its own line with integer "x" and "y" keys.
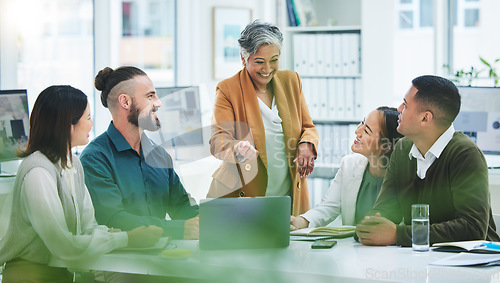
{"x": 311, "y": 54}
{"x": 332, "y": 101}
{"x": 306, "y": 90}
{"x": 337, "y": 54}
{"x": 337, "y": 152}
{"x": 349, "y": 98}
{"x": 326, "y": 144}
{"x": 346, "y": 49}
{"x": 319, "y": 53}
{"x": 318, "y": 161}
{"x": 354, "y": 53}
{"x": 332, "y": 133}
{"x": 323, "y": 153}
{"x": 323, "y": 98}
{"x": 299, "y": 53}
{"x": 315, "y": 98}
{"x": 358, "y": 99}
{"x": 329, "y": 63}
{"x": 345, "y": 140}
{"x": 328, "y": 54}
{"x": 340, "y": 98}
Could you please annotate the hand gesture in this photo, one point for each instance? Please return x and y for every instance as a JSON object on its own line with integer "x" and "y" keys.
{"x": 192, "y": 228}
{"x": 298, "y": 222}
{"x": 304, "y": 159}
{"x": 144, "y": 236}
{"x": 376, "y": 231}
{"x": 244, "y": 151}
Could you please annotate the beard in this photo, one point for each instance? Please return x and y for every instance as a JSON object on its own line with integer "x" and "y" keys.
{"x": 143, "y": 122}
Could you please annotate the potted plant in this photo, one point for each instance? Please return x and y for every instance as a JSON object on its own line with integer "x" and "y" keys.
{"x": 492, "y": 72}
{"x": 466, "y": 77}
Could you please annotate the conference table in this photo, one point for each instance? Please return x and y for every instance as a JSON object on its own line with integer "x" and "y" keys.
{"x": 348, "y": 261}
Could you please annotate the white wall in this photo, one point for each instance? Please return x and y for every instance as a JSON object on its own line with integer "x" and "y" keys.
{"x": 194, "y": 35}
{"x": 106, "y": 19}
{"x": 377, "y": 39}
{"x": 8, "y": 52}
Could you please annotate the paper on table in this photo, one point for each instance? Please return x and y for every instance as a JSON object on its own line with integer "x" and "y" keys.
{"x": 469, "y": 259}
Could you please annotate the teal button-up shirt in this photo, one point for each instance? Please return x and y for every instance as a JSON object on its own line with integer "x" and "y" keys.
{"x": 129, "y": 190}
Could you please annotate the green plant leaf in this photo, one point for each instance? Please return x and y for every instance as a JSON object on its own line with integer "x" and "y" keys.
{"x": 484, "y": 62}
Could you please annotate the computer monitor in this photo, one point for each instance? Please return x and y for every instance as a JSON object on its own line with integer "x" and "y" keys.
{"x": 479, "y": 116}
{"x": 14, "y": 123}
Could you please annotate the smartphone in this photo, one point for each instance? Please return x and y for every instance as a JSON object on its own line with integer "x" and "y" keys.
{"x": 323, "y": 244}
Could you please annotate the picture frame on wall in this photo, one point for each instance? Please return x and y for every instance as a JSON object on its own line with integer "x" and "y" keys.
{"x": 228, "y": 22}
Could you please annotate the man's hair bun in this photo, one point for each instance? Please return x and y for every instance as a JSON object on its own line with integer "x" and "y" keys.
{"x": 102, "y": 78}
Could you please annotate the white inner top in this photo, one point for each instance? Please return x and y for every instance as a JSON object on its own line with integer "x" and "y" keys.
{"x": 279, "y": 182}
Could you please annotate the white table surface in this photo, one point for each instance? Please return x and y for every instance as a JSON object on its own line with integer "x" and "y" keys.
{"x": 347, "y": 262}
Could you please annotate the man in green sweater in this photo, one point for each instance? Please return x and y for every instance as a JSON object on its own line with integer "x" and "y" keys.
{"x": 432, "y": 165}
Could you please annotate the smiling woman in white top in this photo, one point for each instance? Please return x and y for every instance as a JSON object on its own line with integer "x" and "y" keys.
{"x": 356, "y": 185}
{"x": 52, "y": 213}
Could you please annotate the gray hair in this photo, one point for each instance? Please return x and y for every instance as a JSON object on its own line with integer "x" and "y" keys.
{"x": 257, "y": 33}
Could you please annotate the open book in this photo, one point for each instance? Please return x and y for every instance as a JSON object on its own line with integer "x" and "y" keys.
{"x": 468, "y": 246}
{"x": 327, "y": 231}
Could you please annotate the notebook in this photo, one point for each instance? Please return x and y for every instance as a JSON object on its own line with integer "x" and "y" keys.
{"x": 245, "y": 223}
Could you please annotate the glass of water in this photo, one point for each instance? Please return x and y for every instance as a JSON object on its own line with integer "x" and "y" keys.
{"x": 420, "y": 227}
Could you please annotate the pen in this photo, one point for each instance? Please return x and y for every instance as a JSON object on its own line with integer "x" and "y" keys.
{"x": 492, "y": 246}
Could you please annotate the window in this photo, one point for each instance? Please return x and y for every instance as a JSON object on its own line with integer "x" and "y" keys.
{"x": 147, "y": 37}
{"x": 414, "y": 52}
{"x": 474, "y": 29}
{"x": 426, "y": 13}
{"x": 466, "y": 13}
{"x": 415, "y": 14}
{"x": 54, "y": 44}
{"x": 471, "y": 17}
{"x": 406, "y": 19}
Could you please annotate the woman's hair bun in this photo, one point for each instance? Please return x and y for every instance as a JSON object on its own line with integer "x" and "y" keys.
{"x": 102, "y": 78}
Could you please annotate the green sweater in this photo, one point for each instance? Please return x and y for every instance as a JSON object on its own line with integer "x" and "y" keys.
{"x": 455, "y": 187}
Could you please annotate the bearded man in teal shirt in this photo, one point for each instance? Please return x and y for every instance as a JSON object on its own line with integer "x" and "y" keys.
{"x": 131, "y": 179}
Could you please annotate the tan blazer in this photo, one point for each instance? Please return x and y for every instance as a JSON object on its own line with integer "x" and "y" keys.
{"x": 237, "y": 117}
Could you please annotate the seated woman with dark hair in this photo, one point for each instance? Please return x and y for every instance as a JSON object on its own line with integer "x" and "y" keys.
{"x": 52, "y": 213}
{"x": 357, "y": 184}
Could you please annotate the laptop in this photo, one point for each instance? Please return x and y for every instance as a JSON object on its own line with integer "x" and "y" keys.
{"x": 245, "y": 223}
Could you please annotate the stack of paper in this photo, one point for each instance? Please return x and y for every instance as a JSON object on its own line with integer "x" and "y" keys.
{"x": 469, "y": 259}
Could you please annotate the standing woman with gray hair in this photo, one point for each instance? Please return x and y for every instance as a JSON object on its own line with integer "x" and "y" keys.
{"x": 262, "y": 129}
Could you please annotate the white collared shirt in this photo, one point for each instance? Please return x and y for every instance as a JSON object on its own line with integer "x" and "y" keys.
{"x": 424, "y": 162}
